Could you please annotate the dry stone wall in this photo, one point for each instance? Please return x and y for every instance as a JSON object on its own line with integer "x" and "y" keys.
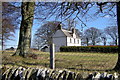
{"x": 21, "y": 73}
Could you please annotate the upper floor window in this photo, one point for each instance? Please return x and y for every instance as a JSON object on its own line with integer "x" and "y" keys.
{"x": 78, "y": 41}
{"x": 74, "y": 40}
{"x": 70, "y": 40}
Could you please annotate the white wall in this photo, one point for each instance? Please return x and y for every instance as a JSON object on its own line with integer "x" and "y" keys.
{"x": 59, "y": 39}
{"x": 72, "y": 43}
{"x": 0, "y": 47}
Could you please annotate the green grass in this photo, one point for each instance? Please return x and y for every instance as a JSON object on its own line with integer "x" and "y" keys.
{"x": 96, "y": 61}
{"x": 65, "y": 60}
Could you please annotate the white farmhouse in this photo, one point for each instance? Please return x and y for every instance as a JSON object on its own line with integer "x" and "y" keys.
{"x": 64, "y": 37}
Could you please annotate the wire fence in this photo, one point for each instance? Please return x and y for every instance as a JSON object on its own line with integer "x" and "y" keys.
{"x": 63, "y": 60}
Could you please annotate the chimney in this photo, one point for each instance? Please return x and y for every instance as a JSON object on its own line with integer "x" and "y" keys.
{"x": 59, "y": 26}
{"x": 73, "y": 30}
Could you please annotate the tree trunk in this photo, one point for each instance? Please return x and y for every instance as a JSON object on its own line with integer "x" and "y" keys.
{"x": 93, "y": 42}
{"x": 87, "y": 41}
{"x": 104, "y": 41}
{"x": 116, "y": 43}
{"x": 27, "y": 11}
{"x": 117, "y": 67}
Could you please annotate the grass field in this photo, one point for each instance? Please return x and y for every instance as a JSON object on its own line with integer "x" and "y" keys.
{"x": 65, "y": 60}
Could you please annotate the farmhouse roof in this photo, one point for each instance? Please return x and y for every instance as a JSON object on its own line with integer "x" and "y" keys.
{"x": 69, "y": 33}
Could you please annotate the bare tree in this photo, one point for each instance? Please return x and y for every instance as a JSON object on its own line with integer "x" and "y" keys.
{"x": 27, "y": 12}
{"x": 46, "y": 31}
{"x": 10, "y": 14}
{"x": 93, "y": 34}
{"x": 70, "y": 23}
{"x": 85, "y": 39}
{"x": 104, "y": 39}
{"x": 112, "y": 32}
{"x": 38, "y": 42}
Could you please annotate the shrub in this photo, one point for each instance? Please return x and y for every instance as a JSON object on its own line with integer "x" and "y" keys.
{"x": 34, "y": 56}
{"x": 103, "y": 49}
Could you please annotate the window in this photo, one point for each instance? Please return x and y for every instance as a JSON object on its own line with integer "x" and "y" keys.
{"x": 74, "y": 40}
{"x": 78, "y": 41}
{"x": 70, "y": 40}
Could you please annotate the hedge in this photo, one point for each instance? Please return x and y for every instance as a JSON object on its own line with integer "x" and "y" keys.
{"x": 103, "y": 49}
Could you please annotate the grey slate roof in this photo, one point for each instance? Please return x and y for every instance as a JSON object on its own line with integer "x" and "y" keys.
{"x": 69, "y": 33}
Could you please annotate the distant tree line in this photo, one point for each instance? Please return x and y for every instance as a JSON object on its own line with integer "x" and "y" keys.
{"x": 91, "y": 36}
{"x": 95, "y": 36}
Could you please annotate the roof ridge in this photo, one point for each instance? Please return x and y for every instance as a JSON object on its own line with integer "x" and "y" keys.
{"x": 66, "y": 30}
{"x": 68, "y": 33}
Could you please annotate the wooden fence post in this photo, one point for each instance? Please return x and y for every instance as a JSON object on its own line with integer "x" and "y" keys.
{"x": 52, "y": 56}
